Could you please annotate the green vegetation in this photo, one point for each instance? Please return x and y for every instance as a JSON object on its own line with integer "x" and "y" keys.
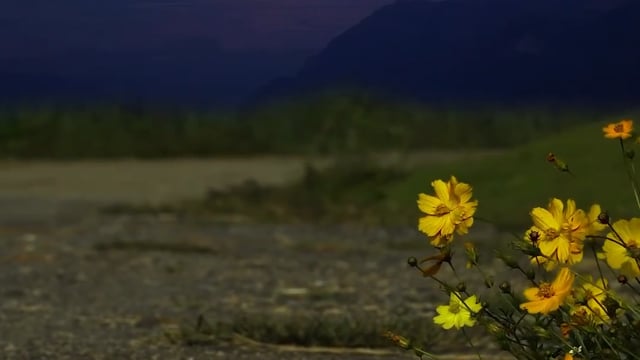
{"x": 310, "y": 331}
{"x": 329, "y": 124}
{"x": 349, "y": 127}
{"x": 522, "y": 179}
{"x": 360, "y": 191}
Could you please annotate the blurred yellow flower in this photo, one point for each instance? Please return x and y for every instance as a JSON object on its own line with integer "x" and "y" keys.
{"x": 589, "y": 300}
{"x": 451, "y": 210}
{"x": 561, "y": 231}
{"x": 595, "y": 226}
{"x": 621, "y": 254}
{"x": 458, "y": 313}
{"x": 546, "y": 297}
{"x": 620, "y": 130}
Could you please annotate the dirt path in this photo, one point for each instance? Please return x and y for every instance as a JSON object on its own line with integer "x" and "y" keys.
{"x": 169, "y": 180}
{"x": 78, "y": 284}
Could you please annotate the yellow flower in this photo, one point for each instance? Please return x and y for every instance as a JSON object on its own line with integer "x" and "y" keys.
{"x": 562, "y": 231}
{"x": 546, "y": 297}
{"x": 451, "y": 210}
{"x": 620, "y": 130}
{"x": 458, "y": 313}
{"x": 619, "y": 256}
{"x": 590, "y": 307}
{"x": 595, "y": 226}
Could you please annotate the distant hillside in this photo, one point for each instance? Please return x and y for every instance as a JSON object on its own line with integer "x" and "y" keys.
{"x": 190, "y": 72}
{"x": 483, "y": 50}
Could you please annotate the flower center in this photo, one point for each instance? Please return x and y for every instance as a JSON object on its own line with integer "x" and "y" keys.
{"x": 551, "y": 234}
{"x": 441, "y": 210}
{"x": 546, "y": 291}
{"x": 459, "y": 214}
{"x": 618, "y": 128}
{"x": 454, "y": 308}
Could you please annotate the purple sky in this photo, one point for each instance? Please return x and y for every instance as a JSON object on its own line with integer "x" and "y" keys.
{"x": 44, "y": 27}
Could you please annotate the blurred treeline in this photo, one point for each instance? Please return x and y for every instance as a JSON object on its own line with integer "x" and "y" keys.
{"x": 326, "y": 124}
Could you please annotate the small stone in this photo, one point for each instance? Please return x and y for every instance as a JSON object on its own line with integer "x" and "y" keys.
{"x": 294, "y": 291}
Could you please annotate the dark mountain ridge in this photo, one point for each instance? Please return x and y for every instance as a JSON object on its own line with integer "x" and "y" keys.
{"x": 482, "y": 51}
{"x": 193, "y": 72}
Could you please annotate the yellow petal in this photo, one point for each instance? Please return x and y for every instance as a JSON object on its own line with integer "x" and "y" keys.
{"x": 428, "y": 204}
{"x": 548, "y": 247}
{"x": 473, "y": 304}
{"x": 534, "y": 307}
{"x": 634, "y": 231}
{"x": 442, "y": 190}
{"x": 563, "y": 250}
{"x": 442, "y": 309}
{"x": 594, "y": 212}
{"x": 463, "y": 192}
{"x": 543, "y": 219}
{"x": 630, "y": 268}
{"x": 463, "y": 318}
{"x": 571, "y": 208}
{"x": 556, "y": 208}
{"x": 614, "y": 253}
{"x": 563, "y": 282}
{"x": 532, "y": 294}
{"x": 431, "y": 225}
{"x": 622, "y": 228}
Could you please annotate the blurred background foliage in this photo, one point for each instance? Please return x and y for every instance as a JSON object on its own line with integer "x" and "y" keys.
{"x": 354, "y": 130}
{"x": 332, "y": 123}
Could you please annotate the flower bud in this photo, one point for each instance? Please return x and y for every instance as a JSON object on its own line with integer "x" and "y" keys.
{"x": 472, "y": 255}
{"x": 505, "y": 287}
{"x": 630, "y": 154}
{"x": 622, "y": 279}
{"x": 495, "y": 329}
{"x": 398, "y": 340}
{"x": 603, "y": 218}
{"x": 530, "y": 274}
{"x": 412, "y": 261}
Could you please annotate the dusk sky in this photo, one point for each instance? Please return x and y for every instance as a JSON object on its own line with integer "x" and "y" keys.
{"x": 218, "y": 51}
{"x": 229, "y": 52}
{"x": 43, "y": 27}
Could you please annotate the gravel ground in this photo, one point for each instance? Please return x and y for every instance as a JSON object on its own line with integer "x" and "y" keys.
{"x": 124, "y": 287}
{"x": 79, "y": 284}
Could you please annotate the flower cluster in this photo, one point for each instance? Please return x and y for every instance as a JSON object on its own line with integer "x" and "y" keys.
{"x": 569, "y": 313}
{"x": 559, "y": 232}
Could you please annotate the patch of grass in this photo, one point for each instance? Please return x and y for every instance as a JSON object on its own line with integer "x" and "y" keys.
{"x": 352, "y": 190}
{"x": 508, "y": 186}
{"x": 345, "y": 331}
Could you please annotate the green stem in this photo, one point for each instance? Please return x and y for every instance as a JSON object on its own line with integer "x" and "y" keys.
{"x": 475, "y": 349}
{"x": 421, "y": 353}
{"x": 595, "y": 256}
{"x": 631, "y": 173}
